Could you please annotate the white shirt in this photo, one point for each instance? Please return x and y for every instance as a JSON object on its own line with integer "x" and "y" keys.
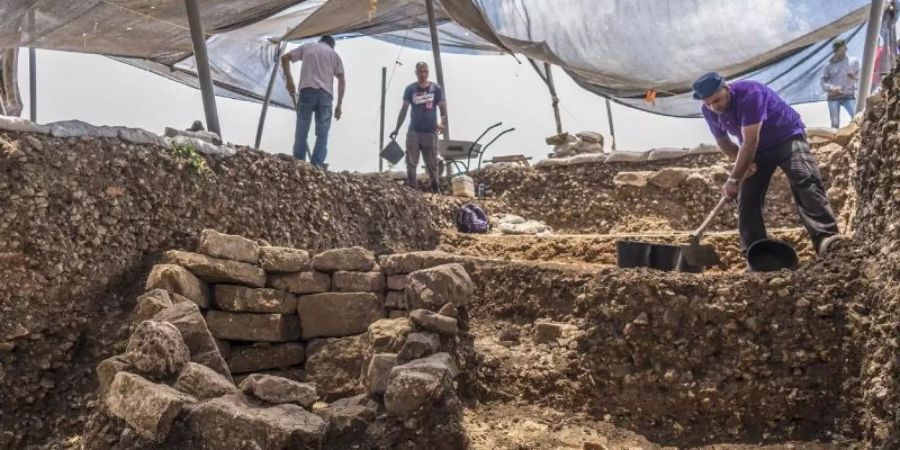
{"x": 320, "y": 65}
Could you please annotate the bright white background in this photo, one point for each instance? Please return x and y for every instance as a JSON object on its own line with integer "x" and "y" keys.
{"x": 481, "y": 90}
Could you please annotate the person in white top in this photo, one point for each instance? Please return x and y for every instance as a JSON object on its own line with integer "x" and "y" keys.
{"x": 321, "y": 65}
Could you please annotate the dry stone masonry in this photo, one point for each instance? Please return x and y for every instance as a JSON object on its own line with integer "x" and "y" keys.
{"x": 240, "y": 344}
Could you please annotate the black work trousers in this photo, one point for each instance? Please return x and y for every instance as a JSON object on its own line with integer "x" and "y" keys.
{"x": 801, "y": 169}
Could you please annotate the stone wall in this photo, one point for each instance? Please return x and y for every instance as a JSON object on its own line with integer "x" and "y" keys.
{"x": 241, "y": 343}
{"x": 83, "y": 218}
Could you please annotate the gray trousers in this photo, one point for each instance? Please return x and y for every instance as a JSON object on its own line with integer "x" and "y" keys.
{"x": 799, "y": 165}
{"x": 425, "y": 144}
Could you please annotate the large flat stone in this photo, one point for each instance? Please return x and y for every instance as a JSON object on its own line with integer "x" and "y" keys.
{"x": 147, "y": 407}
{"x": 433, "y": 287}
{"x": 255, "y": 358}
{"x": 283, "y": 259}
{"x": 227, "y": 246}
{"x": 203, "y": 383}
{"x": 253, "y": 327}
{"x": 301, "y": 282}
{"x": 335, "y": 366}
{"x": 355, "y": 259}
{"x": 358, "y": 281}
{"x": 278, "y": 390}
{"x": 256, "y": 300}
{"x": 215, "y": 270}
{"x": 337, "y": 314}
{"x": 404, "y": 263}
{"x": 229, "y": 423}
{"x": 178, "y": 280}
{"x": 187, "y": 318}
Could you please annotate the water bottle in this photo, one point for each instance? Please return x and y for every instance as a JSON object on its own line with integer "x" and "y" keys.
{"x": 480, "y": 192}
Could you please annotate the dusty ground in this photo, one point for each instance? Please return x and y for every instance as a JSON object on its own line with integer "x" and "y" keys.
{"x": 600, "y": 249}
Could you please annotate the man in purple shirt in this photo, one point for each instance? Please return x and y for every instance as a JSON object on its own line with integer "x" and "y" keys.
{"x": 770, "y": 135}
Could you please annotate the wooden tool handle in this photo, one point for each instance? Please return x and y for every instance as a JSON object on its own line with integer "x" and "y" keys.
{"x": 712, "y": 214}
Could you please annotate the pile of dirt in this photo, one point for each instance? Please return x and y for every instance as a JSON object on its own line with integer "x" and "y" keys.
{"x": 81, "y": 220}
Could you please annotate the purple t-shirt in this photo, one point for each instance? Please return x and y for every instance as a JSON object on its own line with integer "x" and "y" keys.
{"x": 753, "y": 102}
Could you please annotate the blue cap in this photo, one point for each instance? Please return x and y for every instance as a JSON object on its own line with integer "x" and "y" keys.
{"x": 707, "y": 85}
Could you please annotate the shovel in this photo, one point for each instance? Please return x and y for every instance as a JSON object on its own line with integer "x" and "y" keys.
{"x": 699, "y": 256}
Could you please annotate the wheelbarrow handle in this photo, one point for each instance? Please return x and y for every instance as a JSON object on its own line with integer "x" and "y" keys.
{"x": 696, "y": 234}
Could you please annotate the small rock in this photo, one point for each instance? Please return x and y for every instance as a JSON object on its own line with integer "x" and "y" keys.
{"x": 203, "y": 383}
{"x": 228, "y": 246}
{"x": 283, "y": 259}
{"x": 419, "y": 345}
{"x": 379, "y": 371}
{"x": 355, "y": 259}
{"x": 277, "y": 390}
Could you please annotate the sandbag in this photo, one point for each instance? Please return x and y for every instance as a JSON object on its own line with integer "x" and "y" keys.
{"x": 552, "y": 162}
{"x": 627, "y": 156}
{"x": 823, "y": 132}
{"x": 207, "y": 136}
{"x": 200, "y": 145}
{"x": 587, "y": 158}
{"x": 18, "y": 124}
{"x": 587, "y": 147}
{"x": 658, "y": 154}
{"x": 704, "y": 149}
{"x": 462, "y": 186}
{"x": 567, "y": 149}
{"x": 76, "y": 128}
{"x": 139, "y": 136}
{"x": 528, "y": 227}
{"x": 590, "y": 137}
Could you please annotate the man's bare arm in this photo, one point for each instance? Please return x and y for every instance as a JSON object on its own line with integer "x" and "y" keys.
{"x": 342, "y": 86}
{"x": 442, "y": 124}
{"x": 728, "y": 147}
{"x": 288, "y": 78}
{"x": 400, "y": 119}
{"x": 747, "y": 152}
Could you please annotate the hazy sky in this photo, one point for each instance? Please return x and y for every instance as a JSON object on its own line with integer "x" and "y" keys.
{"x": 481, "y": 90}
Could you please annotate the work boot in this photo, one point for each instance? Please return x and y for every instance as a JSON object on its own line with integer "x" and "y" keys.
{"x": 830, "y": 243}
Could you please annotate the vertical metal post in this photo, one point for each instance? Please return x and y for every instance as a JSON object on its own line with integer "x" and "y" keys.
{"x": 198, "y": 39}
{"x": 868, "y": 64}
{"x": 32, "y": 69}
{"x": 381, "y": 128}
{"x": 555, "y": 98}
{"x": 436, "y": 50}
{"x": 612, "y": 130}
{"x": 32, "y": 83}
{"x": 265, "y": 105}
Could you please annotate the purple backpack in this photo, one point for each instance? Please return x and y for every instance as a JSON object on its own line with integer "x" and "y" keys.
{"x": 472, "y": 219}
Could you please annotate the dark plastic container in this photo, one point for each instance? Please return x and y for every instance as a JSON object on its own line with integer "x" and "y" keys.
{"x": 632, "y": 254}
{"x": 769, "y": 255}
{"x": 664, "y": 256}
{"x": 392, "y": 152}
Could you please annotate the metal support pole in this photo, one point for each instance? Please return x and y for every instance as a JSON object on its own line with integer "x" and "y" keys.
{"x": 554, "y": 97}
{"x": 612, "y": 130}
{"x": 32, "y": 83}
{"x": 868, "y": 64}
{"x": 198, "y": 39}
{"x": 265, "y": 105}
{"x": 32, "y": 69}
{"x": 436, "y": 49}
{"x": 381, "y": 128}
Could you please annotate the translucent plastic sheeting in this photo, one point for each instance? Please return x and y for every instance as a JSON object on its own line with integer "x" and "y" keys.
{"x": 151, "y": 29}
{"x": 241, "y": 60}
{"x": 454, "y": 39}
{"x": 621, "y": 49}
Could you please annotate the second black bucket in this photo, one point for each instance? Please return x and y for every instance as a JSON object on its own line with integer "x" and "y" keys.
{"x": 632, "y": 254}
{"x": 768, "y": 255}
{"x": 664, "y": 256}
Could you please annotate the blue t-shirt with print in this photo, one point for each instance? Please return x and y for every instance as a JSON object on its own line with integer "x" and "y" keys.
{"x": 424, "y": 103}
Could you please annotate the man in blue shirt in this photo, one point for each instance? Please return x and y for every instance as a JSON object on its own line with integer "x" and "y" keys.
{"x": 424, "y": 127}
{"x": 770, "y": 135}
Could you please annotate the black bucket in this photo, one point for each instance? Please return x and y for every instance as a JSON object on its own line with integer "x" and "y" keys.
{"x": 632, "y": 254}
{"x": 768, "y": 255}
{"x": 664, "y": 256}
{"x": 392, "y": 152}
